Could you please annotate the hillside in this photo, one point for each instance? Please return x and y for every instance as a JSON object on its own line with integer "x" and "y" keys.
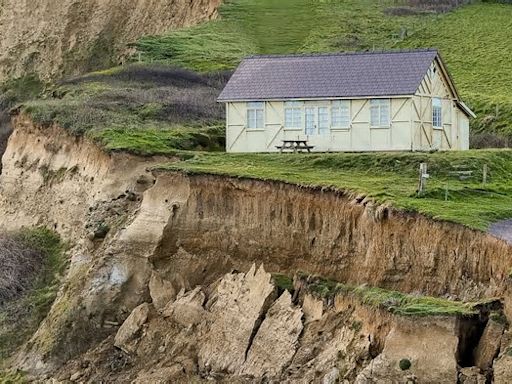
{"x": 135, "y": 250}
{"x": 473, "y": 39}
{"x": 50, "y": 39}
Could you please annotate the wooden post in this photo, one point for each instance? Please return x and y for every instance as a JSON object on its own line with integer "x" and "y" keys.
{"x": 484, "y": 174}
{"x": 423, "y": 179}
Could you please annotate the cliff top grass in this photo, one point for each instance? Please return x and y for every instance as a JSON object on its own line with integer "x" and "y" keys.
{"x": 145, "y": 109}
{"x": 474, "y": 40}
{"x": 390, "y": 178}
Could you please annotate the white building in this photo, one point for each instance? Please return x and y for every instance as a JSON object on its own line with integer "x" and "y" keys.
{"x": 370, "y": 101}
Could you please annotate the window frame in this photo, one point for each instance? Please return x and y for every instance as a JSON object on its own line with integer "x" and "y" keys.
{"x": 341, "y": 104}
{"x": 255, "y": 107}
{"x": 378, "y": 104}
{"x": 438, "y": 107}
{"x": 295, "y": 106}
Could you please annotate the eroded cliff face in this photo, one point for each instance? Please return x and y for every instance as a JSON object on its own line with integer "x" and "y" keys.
{"x": 55, "y": 37}
{"x": 140, "y": 236}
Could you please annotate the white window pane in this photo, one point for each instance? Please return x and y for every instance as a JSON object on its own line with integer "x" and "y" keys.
{"x": 255, "y": 105}
{"x": 375, "y": 117}
{"x": 384, "y": 115}
{"x": 259, "y": 119}
{"x": 288, "y": 118}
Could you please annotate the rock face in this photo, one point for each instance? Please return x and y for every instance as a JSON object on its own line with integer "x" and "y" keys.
{"x": 416, "y": 350}
{"x": 276, "y": 342}
{"x": 489, "y": 345}
{"x": 55, "y": 37}
{"x": 161, "y": 291}
{"x": 188, "y": 308}
{"x": 130, "y": 332}
{"x": 171, "y": 229}
{"x": 236, "y": 308}
{"x": 503, "y": 364}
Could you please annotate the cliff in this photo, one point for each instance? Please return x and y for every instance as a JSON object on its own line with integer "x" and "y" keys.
{"x": 153, "y": 270}
{"x": 52, "y": 38}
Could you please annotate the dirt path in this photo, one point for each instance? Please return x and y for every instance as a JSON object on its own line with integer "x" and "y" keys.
{"x": 502, "y": 229}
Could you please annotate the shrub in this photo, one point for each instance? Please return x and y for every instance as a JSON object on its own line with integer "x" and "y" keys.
{"x": 404, "y": 364}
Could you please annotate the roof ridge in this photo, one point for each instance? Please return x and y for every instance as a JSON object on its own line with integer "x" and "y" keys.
{"x": 346, "y": 53}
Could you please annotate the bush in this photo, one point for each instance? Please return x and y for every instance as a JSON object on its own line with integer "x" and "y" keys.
{"x": 404, "y": 364}
{"x": 20, "y": 264}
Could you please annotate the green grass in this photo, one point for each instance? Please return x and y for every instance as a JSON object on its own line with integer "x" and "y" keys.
{"x": 163, "y": 141}
{"x": 386, "y": 177}
{"x": 474, "y": 40}
{"x": 20, "y": 319}
{"x": 141, "y": 109}
{"x": 395, "y": 302}
{"x": 475, "y": 43}
{"x": 12, "y": 378}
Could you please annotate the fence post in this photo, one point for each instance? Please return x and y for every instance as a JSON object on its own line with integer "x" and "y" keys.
{"x": 423, "y": 179}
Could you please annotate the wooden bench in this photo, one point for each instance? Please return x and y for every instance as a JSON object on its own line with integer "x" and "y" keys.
{"x": 295, "y": 146}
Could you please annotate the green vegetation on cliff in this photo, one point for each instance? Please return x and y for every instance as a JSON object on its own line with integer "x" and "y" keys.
{"x": 142, "y": 109}
{"x": 474, "y": 40}
{"x": 395, "y": 302}
{"x": 386, "y": 177}
{"x": 33, "y": 265}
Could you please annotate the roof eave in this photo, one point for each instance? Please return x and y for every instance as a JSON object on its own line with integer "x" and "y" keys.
{"x": 356, "y": 97}
{"x": 466, "y": 109}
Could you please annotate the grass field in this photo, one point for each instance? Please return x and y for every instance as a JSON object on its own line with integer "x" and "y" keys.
{"x": 473, "y": 39}
{"x": 387, "y": 177}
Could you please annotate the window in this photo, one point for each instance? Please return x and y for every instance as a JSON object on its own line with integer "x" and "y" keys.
{"x": 293, "y": 114}
{"x": 317, "y": 120}
{"x": 255, "y": 112}
{"x": 437, "y": 112}
{"x": 311, "y": 123}
{"x": 340, "y": 114}
{"x": 323, "y": 120}
{"x": 380, "y": 111}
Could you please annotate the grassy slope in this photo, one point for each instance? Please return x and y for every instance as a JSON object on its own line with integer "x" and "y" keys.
{"x": 21, "y": 317}
{"x": 475, "y": 41}
{"x": 387, "y": 177}
{"x": 142, "y": 109}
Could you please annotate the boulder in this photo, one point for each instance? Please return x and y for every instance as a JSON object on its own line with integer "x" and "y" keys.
{"x": 236, "y": 308}
{"x": 161, "y": 291}
{"x": 471, "y": 375}
{"x": 187, "y": 309}
{"x": 313, "y": 308}
{"x": 276, "y": 341}
{"x": 130, "y": 332}
{"x": 489, "y": 344}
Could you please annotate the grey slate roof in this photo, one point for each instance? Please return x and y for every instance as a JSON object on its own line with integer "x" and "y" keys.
{"x": 363, "y": 74}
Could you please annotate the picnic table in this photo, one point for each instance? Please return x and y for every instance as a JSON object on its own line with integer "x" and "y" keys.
{"x": 295, "y": 146}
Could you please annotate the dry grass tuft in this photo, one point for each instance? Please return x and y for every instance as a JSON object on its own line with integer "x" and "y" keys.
{"x": 20, "y": 264}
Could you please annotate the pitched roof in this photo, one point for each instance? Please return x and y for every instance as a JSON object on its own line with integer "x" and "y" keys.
{"x": 360, "y": 74}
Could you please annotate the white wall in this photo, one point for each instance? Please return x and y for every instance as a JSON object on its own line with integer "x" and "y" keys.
{"x": 358, "y": 137}
{"x": 454, "y": 134}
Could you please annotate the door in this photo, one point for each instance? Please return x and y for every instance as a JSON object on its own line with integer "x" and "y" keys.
{"x": 311, "y": 123}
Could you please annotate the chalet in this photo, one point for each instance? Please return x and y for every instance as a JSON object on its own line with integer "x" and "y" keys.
{"x": 368, "y": 101}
